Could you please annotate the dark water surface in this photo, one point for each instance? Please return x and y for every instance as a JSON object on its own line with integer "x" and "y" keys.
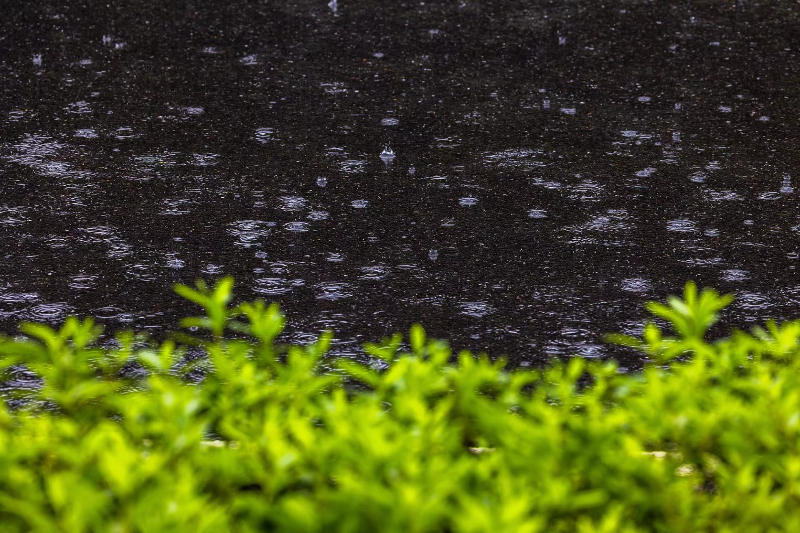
{"x": 556, "y": 164}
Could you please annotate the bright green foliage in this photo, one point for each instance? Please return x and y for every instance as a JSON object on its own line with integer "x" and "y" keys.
{"x": 706, "y": 438}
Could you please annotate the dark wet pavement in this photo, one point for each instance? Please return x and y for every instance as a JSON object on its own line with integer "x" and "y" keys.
{"x": 555, "y": 164}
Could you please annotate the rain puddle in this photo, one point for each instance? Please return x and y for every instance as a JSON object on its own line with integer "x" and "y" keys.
{"x": 519, "y": 177}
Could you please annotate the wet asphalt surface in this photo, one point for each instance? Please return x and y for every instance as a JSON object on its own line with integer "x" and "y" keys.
{"x": 553, "y": 165}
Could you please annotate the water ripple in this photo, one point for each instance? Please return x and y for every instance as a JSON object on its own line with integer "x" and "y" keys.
{"x": 637, "y": 285}
{"x": 476, "y": 309}
{"x": 523, "y": 159}
{"x": 250, "y": 232}
{"x": 333, "y": 291}
{"x": 753, "y": 301}
{"x": 13, "y": 216}
{"x": 297, "y": 227}
{"x": 293, "y": 203}
{"x": 735, "y": 275}
{"x": 276, "y": 286}
{"x": 18, "y": 297}
{"x": 47, "y": 312}
{"x": 374, "y": 272}
{"x": 682, "y": 225}
{"x": 83, "y": 281}
{"x": 264, "y": 135}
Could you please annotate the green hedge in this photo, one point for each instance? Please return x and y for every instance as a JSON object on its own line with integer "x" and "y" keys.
{"x": 287, "y": 439}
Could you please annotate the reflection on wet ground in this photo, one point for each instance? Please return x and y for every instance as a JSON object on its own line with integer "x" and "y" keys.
{"x": 519, "y": 176}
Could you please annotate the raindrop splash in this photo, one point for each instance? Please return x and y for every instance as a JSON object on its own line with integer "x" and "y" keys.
{"x": 387, "y": 155}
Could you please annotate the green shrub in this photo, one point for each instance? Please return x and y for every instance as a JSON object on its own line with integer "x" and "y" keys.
{"x": 287, "y": 439}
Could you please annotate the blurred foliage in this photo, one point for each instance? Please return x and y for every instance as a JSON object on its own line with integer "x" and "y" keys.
{"x": 285, "y": 438}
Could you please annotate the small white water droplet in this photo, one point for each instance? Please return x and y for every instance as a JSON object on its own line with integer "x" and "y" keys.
{"x": 387, "y": 155}
{"x": 322, "y": 181}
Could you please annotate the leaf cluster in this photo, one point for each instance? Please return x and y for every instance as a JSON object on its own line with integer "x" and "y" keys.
{"x": 412, "y": 438}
